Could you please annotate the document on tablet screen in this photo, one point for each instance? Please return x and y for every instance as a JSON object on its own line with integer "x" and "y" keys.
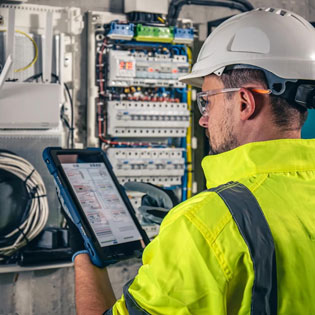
{"x": 101, "y": 203}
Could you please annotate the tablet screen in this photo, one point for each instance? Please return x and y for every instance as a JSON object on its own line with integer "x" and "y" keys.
{"x": 101, "y": 202}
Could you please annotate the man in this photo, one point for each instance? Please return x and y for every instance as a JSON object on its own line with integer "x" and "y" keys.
{"x": 247, "y": 245}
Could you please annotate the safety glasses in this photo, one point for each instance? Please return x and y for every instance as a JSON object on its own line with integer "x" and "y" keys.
{"x": 203, "y": 98}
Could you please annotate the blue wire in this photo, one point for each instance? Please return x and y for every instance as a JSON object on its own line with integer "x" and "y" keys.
{"x": 177, "y": 50}
{"x": 183, "y": 93}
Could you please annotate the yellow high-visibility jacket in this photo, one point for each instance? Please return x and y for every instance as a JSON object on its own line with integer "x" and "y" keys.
{"x": 200, "y": 264}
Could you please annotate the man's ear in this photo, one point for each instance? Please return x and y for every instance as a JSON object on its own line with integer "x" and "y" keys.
{"x": 247, "y": 104}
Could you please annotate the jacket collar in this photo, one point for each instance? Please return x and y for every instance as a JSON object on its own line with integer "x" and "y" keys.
{"x": 283, "y": 155}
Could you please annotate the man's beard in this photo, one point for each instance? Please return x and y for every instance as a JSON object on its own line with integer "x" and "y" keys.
{"x": 225, "y": 146}
{"x": 228, "y": 143}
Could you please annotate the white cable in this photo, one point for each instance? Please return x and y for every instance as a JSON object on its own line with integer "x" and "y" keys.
{"x": 38, "y": 210}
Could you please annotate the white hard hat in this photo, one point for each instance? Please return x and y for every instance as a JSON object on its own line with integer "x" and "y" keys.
{"x": 275, "y": 40}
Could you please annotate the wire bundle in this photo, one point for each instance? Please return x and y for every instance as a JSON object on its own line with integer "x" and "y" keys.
{"x": 37, "y": 210}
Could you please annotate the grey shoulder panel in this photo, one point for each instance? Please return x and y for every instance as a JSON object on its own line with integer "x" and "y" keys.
{"x": 131, "y": 304}
{"x": 256, "y": 233}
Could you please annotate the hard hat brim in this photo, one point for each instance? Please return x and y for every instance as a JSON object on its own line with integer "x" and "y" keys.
{"x": 194, "y": 79}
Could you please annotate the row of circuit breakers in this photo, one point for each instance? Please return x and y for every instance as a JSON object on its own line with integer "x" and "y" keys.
{"x": 142, "y": 102}
{"x": 127, "y": 69}
{"x": 147, "y": 119}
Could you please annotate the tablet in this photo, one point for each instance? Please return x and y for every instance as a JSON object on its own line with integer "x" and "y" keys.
{"x": 93, "y": 198}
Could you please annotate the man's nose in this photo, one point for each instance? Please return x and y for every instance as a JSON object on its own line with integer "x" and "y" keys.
{"x": 203, "y": 121}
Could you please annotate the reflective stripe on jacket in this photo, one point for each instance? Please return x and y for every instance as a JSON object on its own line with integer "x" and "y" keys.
{"x": 200, "y": 263}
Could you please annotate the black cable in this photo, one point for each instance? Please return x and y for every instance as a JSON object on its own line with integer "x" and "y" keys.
{"x": 246, "y": 4}
{"x": 67, "y": 124}
{"x": 33, "y": 77}
{"x": 176, "y": 6}
{"x": 72, "y": 114}
{"x": 173, "y": 19}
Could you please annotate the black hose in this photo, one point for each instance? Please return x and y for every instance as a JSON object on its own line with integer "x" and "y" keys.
{"x": 176, "y": 6}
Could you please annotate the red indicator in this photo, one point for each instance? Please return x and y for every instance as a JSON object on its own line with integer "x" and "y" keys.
{"x": 174, "y": 70}
{"x": 128, "y": 65}
{"x": 150, "y": 69}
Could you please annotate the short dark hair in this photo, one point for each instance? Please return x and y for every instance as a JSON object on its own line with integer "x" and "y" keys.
{"x": 285, "y": 114}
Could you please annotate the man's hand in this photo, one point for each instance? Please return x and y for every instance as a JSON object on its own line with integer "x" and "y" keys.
{"x": 93, "y": 291}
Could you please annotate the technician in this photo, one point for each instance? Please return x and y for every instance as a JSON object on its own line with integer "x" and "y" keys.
{"x": 247, "y": 244}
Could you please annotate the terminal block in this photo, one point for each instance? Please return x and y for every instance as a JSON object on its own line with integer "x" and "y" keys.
{"x": 183, "y": 35}
{"x": 159, "y": 166}
{"x": 147, "y": 119}
{"x": 120, "y": 31}
{"x": 140, "y": 69}
{"x": 154, "y": 34}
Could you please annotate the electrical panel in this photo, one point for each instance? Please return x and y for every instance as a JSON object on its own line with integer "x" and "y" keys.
{"x": 138, "y": 111}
